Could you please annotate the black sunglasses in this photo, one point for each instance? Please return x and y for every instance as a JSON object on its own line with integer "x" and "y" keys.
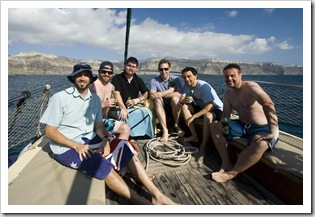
{"x": 165, "y": 69}
{"x": 108, "y": 72}
{"x": 81, "y": 66}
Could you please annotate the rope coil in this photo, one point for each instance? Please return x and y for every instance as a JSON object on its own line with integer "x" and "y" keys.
{"x": 171, "y": 153}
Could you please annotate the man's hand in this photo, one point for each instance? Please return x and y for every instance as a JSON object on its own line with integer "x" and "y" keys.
{"x": 83, "y": 150}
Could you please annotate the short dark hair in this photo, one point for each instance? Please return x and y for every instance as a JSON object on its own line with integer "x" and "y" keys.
{"x": 189, "y": 68}
{"x": 132, "y": 60}
{"x": 232, "y": 66}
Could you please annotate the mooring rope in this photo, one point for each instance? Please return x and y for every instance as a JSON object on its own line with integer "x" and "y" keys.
{"x": 171, "y": 153}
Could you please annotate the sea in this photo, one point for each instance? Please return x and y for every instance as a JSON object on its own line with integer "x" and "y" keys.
{"x": 19, "y": 83}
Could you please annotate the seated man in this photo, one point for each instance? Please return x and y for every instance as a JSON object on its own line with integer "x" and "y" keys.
{"x": 199, "y": 99}
{"x": 165, "y": 92}
{"x": 257, "y": 121}
{"x": 103, "y": 88}
{"x": 74, "y": 116}
{"x": 128, "y": 86}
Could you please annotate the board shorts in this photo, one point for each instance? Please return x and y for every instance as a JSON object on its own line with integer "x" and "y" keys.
{"x": 111, "y": 125}
{"x": 239, "y": 129}
{"x": 95, "y": 166}
{"x": 121, "y": 152}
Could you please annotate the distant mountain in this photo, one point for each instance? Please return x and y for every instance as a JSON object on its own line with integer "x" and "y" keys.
{"x": 34, "y": 63}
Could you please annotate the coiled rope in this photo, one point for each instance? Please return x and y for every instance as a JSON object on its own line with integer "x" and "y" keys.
{"x": 171, "y": 153}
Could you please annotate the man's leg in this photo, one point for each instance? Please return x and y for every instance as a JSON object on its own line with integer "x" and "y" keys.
{"x": 160, "y": 113}
{"x": 220, "y": 143}
{"x": 176, "y": 109}
{"x": 187, "y": 114}
{"x": 123, "y": 130}
{"x": 207, "y": 120}
{"x": 135, "y": 168}
{"x": 119, "y": 186}
{"x": 248, "y": 157}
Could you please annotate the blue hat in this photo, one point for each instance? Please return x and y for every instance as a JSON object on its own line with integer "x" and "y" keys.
{"x": 106, "y": 63}
{"x": 80, "y": 67}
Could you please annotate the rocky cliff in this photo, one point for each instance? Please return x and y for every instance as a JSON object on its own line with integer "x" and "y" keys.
{"x": 34, "y": 63}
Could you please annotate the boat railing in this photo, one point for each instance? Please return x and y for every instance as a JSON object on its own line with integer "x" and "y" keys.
{"x": 26, "y": 110}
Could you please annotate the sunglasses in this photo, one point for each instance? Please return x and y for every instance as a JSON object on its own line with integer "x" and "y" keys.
{"x": 165, "y": 69}
{"x": 108, "y": 72}
{"x": 81, "y": 66}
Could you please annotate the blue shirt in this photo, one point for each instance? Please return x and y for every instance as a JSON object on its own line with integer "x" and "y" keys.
{"x": 203, "y": 93}
{"x": 160, "y": 85}
{"x": 73, "y": 116}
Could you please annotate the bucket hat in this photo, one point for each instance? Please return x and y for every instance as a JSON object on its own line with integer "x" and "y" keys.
{"x": 80, "y": 67}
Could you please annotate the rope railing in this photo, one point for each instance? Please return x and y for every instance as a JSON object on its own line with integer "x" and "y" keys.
{"x": 23, "y": 119}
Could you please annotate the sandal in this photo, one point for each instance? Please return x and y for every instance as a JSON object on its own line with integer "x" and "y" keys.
{"x": 179, "y": 131}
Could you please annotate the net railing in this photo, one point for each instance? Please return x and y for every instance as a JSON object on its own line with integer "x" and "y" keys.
{"x": 26, "y": 110}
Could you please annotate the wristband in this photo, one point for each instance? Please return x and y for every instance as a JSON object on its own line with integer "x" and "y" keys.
{"x": 105, "y": 137}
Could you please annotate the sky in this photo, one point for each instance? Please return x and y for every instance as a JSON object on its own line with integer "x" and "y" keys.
{"x": 198, "y": 30}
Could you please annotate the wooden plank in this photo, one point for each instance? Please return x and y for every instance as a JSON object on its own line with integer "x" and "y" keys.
{"x": 214, "y": 190}
{"x": 193, "y": 187}
{"x": 181, "y": 189}
{"x": 166, "y": 187}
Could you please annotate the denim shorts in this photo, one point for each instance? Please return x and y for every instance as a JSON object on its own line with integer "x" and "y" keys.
{"x": 96, "y": 166}
{"x": 239, "y": 129}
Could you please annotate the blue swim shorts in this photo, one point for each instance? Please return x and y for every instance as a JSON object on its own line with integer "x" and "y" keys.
{"x": 239, "y": 129}
{"x": 96, "y": 166}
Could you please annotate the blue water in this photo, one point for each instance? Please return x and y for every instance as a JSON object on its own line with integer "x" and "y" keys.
{"x": 18, "y": 84}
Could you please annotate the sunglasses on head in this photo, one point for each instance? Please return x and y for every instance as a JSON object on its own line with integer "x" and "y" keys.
{"x": 81, "y": 66}
{"x": 165, "y": 69}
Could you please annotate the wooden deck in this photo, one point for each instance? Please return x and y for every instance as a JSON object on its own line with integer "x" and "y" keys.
{"x": 190, "y": 184}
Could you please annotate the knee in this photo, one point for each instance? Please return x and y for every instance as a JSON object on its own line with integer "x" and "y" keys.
{"x": 125, "y": 127}
{"x": 208, "y": 117}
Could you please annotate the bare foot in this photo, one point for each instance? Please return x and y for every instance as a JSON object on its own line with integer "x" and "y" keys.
{"x": 191, "y": 139}
{"x": 164, "y": 137}
{"x": 222, "y": 177}
{"x": 200, "y": 161}
{"x": 162, "y": 199}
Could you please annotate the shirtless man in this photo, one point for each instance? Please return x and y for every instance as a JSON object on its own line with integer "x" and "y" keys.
{"x": 257, "y": 121}
{"x": 102, "y": 87}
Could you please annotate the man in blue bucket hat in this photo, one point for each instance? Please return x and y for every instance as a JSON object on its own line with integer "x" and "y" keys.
{"x": 74, "y": 116}
{"x": 82, "y": 67}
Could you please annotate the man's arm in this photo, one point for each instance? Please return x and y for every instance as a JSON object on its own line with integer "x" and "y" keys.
{"x": 268, "y": 107}
{"x": 103, "y": 133}
{"x": 54, "y": 135}
{"x": 123, "y": 110}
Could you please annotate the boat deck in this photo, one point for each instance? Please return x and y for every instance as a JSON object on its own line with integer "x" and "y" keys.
{"x": 191, "y": 184}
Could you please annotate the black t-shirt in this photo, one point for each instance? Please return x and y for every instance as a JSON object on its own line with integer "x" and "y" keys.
{"x": 127, "y": 89}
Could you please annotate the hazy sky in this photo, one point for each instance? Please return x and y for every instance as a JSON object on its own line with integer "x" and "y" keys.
{"x": 229, "y": 31}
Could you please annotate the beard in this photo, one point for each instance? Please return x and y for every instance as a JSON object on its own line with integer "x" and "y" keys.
{"x": 82, "y": 85}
